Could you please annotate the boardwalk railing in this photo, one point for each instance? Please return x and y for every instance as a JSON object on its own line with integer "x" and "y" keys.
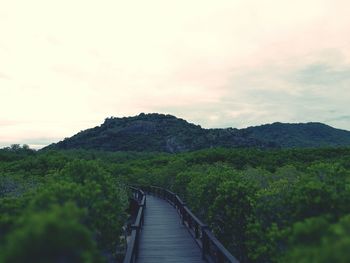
{"x": 133, "y": 244}
{"x": 212, "y": 249}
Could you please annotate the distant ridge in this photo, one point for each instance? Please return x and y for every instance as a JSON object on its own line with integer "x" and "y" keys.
{"x": 165, "y": 133}
{"x": 296, "y": 135}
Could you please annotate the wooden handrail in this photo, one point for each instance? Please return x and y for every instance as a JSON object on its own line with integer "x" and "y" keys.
{"x": 133, "y": 244}
{"x": 212, "y": 249}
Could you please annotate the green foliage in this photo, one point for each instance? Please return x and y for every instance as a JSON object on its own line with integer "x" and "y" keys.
{"x": 252, "y": 199}
{"x": 44, "y": 186}
{"x": 319, "y": 240}
{"x": 55, "y": 235}
{"x": 264, "y": 205}
{"x": 15, "y": 152}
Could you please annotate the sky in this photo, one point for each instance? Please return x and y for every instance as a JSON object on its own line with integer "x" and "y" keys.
{"x": 67, "y": 65}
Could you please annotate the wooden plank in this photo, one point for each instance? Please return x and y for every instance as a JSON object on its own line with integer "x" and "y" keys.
{"x": 164, "y": 239}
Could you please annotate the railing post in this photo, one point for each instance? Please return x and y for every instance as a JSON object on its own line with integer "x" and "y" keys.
{"x": 143, "y": 213}
{"x": 205, "y": 241}
{"x": 189, "y": 222}
{"x": 220, "y": 257}
{"x": 182, "y": 212}
{"x": 136, "y": 248}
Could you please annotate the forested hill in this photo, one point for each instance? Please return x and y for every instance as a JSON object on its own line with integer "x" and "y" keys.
{"x": 155, "y": 133}
{"x": 166, "y": 133}
{"x": 299, "y": 135}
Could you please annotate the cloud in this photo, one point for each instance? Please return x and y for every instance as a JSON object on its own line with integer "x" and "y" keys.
{"x": 5, "y": 76}
{"x": 323, "y": 75}
{"x": 7, "y": 123}
{"x": 224, "y": 63}
{"x": 28, "y": 141}
{"x": 340, "y": 118}
{"x": 276, "y": 92}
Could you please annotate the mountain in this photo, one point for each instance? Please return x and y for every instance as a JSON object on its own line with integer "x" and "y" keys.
{"x": 155, "y": 132}
{"x": 296, "y": 135}
{"x": 166, "y": 133}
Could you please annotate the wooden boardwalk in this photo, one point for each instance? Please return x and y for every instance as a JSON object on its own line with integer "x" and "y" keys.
{"x": 164, "y": 238}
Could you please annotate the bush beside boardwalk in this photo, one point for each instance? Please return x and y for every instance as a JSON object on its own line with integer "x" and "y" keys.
{"x": 60, "y": 208}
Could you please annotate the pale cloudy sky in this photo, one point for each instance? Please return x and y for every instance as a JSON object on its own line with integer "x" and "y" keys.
{"x": 67, "y": 65}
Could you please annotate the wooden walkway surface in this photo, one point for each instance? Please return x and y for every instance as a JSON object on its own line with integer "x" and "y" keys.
{"x": 164, "y": 238}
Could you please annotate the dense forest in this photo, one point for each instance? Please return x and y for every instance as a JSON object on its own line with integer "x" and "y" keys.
{"x": 272, "y": 205}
